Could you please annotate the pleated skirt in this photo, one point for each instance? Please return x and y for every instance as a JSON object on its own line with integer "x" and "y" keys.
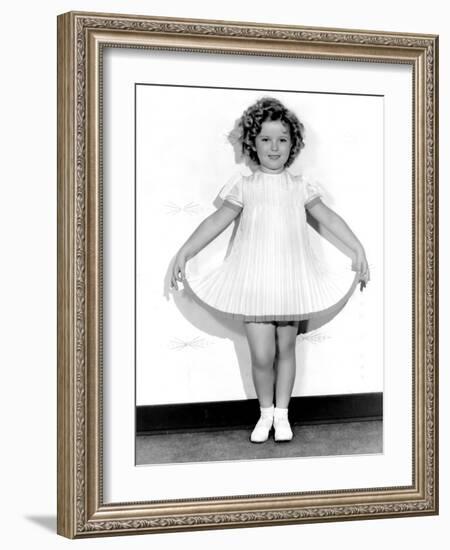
{"x": 272, "y": 273}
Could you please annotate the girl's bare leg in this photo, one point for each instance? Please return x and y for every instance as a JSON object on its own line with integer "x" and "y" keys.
{"x": 261, "y": 340}
{"x": 285, "y": 370}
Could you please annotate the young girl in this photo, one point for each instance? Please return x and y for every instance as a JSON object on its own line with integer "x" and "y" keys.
{"x": 271, "y": 279}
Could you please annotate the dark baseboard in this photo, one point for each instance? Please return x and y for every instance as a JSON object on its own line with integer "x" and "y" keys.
{"x": 216, "y": 415}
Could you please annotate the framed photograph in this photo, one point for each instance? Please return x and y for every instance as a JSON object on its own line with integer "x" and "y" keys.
{"x": 247, "y": 283}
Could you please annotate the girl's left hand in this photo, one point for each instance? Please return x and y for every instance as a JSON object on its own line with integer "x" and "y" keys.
{"x": 362, "y": 267}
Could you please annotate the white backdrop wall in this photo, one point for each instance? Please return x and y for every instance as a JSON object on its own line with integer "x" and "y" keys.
{"x": 205, "y": 358}
{"x": 28, "y": 277}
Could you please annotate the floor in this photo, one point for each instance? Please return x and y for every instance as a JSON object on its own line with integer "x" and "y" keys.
{"x": 349, "y": 438}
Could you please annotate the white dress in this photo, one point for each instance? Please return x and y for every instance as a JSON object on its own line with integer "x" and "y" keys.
{"x": 272, "y": 272}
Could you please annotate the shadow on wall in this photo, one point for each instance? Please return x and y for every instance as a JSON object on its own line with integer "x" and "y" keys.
{"x": 217, "y": 326}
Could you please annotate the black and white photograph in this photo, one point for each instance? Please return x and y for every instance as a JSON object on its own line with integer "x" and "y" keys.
{"x": 273, "y": 317}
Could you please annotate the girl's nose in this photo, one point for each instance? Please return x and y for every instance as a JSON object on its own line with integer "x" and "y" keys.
{"x": 274, "y": 146}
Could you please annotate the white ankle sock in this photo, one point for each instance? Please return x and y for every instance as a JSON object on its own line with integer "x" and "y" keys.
{"x": 280, "y": 412}
{"x": 267, "y": 411}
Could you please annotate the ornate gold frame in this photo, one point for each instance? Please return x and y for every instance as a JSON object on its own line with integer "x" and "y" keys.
{"x": 81, "y": 36}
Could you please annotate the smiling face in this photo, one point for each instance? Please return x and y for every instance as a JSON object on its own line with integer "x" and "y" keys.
{"x": 273, "y": 146}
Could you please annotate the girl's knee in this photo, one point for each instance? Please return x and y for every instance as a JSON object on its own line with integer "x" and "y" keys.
{"x": 286, "y": 349}
{"x": 263, "y": 359}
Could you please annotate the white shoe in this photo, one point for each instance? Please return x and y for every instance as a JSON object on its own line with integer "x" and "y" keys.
{"x": 283, "y": 431}
{"x": 263, "y": 427}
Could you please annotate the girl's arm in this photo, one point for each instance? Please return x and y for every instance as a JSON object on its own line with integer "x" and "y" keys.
{"x": 336, "y": 225}
{"x": 207, "y": 231}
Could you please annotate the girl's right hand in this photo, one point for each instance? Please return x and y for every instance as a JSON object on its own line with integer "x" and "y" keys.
{"x": 178, "y": 271}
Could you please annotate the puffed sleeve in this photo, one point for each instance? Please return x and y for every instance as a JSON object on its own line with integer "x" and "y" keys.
{"x": 312, "y": 193}
{"x": 232, "y": 193}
